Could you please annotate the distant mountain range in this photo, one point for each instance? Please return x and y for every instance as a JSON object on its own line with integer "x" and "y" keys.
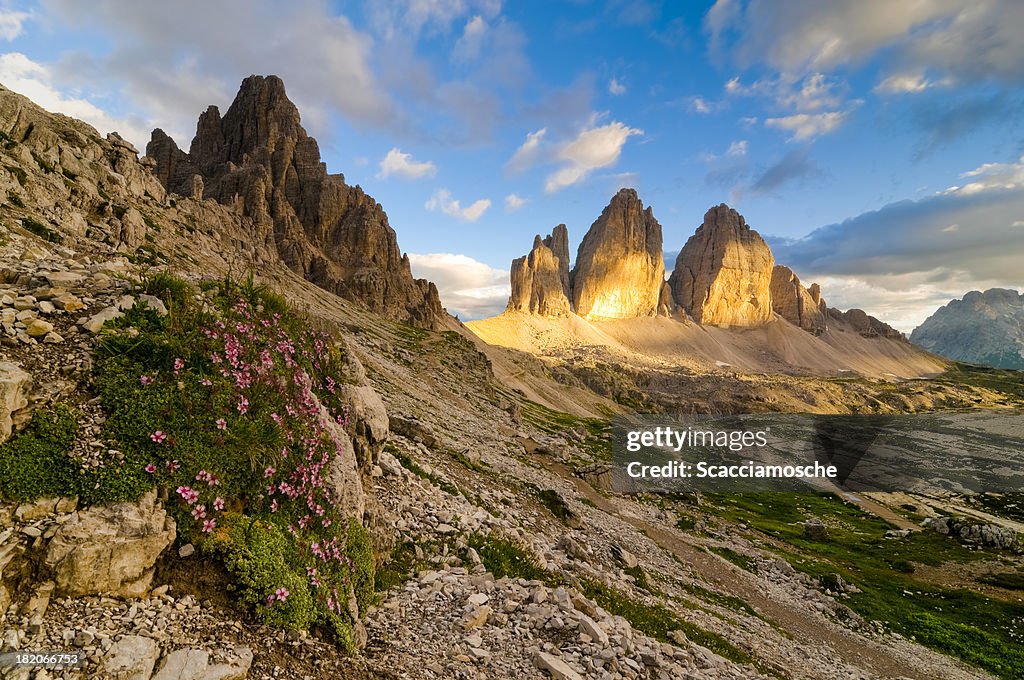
{"x": 982, "y": 328}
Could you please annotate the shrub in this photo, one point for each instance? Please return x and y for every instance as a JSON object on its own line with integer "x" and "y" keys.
{"x": 35, "y": 463}
{"x": 173, "y": 290}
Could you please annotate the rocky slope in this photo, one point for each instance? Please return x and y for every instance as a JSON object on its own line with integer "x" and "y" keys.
{"x": 723, "y": 273}
{"x": 619, "y": 270}
{"x": 497, "y": 548}
{"x": 982, "y": 328}
{"x": 259, "y": 159}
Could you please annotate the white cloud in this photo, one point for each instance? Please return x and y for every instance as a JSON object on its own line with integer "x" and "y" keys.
{"x": 11, "y": 23}
{"x": 595, "y": 147}
{"x": 514, "y": 202}
{"x": 468, "y": 46}
{"x": 529, "y": 153}
{"x": 164, "y": 60}
{"x": 963, "y": 40}
{"x": 904, "y": 83}
{"x": 403, "y": 165}
{"x": 616, "y": 88}
{"x": 700, "y": 106}
{"x": 442, "y": 201}
{"x": 737, "y": 148}
{"x": 992, "y": 176}
{"x": 35, "y": 81}
{"x": 805, "y": 126}
{"x": 468, "y": 288}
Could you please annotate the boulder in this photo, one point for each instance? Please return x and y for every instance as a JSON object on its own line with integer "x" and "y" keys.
{"x": 131, "y": 658}
{"x": 110, "y": 550}
{"x": 723, "y": 274}
{"x": 367, "y": 421}
{"x": 540, "y": 280}
{"x": 619, "y": 265}
{"x": 800, "y": 306}
{"x": 15, "y": 385}
{"x": 558, "y": 669}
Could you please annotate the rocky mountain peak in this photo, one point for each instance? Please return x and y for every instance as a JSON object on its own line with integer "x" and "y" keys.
{"x": 723, "y": 273}
{"x": 540, "y": 280}
{"x": 259, "y": 159}
{"x": 619, "y": 267}
{"x": 983, "y": 327}
{"x": 800, "y": 306}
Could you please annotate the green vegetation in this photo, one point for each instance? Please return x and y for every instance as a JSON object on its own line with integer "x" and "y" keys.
{"x": 411, "y": 465}
{"x": 1008, "y": 580}
{"x": 35, "y": 463}
{"x": 399, "y": 568}
{"x": 223, "y": 401}
{"x": 1003, "y": 380}
{"x": 964, "y": 623}
{"x": 658, "y": 621}
{"x": 596, "y": 431}
{"x": 503, "y": 558}
{"x": 15, "y": 200}
{"x": 7, "y": 141}
{"x": 40, "y": 230}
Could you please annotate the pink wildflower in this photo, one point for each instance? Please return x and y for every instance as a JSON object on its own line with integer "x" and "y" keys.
{"x": 151, "y": 468}
{"x": 209, "y": 525}
{"x": 218, "y": 503}
{"x": 146, "y": 380}
{"x": 269, "y": 472}
{"x": 179, "y": 364}
{"x": 281, "y": 594}
{"x": 205, "y": 382}
{"x": 158, "y": 437}
{"x": 199, "y": 512}
{"x": 222, "y": 424}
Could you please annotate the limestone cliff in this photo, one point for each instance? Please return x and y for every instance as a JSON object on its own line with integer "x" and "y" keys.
{"x": 619, "y": 267}
{"x": 866, "y": 325}
{"x": 723, "y": 274}
{"x": 540, "y": 280}
{"x": 800, "y": 306}
{"x": 259, "y": 159}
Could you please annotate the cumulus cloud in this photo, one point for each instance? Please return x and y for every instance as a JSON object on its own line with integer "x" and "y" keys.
{"x": 514, "y": 202}
{"x": 795, "y": 165}
{"x": 36, "y": 81}
{"x": 804, "y": 126}
{"x": 403, "y": 165}
{"x": 908, "y": 253}
{"x": 443, "y": 202}
{"x": 528, "y": 153}
{"x": 699, "y": 105}
{"x": 468, "y": 288}
{"x": 11, "y": 23}
{"x": 616, "y": 88}
{"x": 594, "y": 147}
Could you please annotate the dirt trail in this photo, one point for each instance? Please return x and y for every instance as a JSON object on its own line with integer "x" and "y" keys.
{"x": 874, "y": 657}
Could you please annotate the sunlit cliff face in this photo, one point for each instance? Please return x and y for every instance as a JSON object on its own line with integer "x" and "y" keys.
{"x": 625, "y": 289}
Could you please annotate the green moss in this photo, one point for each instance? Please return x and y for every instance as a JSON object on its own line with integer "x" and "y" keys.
{"x": 1007, "y": 580}
{"x": 15, "y": 200}
{"x": 35, "y": 463}
{"x": 41, "y": 230}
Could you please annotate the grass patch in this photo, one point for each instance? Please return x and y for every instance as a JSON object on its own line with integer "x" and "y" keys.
{"x": 504, "y": 558}
{"x": 412, "y": 466}
{"x": 658, "y": 621}
{"x": 961, "y": 622}
{"x": 1008, "y": 580}
{"x": 742, "y": 561}
{"x": 400, "y": 567}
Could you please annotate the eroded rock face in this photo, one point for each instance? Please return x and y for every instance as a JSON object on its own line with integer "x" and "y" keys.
{"x": 800, "y": 306}
{"x": 868, "y": 326}
{"x": 540, "y": 280}
{"x": 984, "y": 328}
{"x": 110, "y": 550}
{"x": 15, "y": 384}
{"x": 619, "y": 267}
{"x": 723, "y": 274}
{"x": 258, "y": 158}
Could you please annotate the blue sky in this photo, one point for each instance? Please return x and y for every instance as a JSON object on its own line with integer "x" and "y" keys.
{"x": 877, "y": 145}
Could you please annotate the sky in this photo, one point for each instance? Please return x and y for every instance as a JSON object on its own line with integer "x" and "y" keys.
{"x": 877, "y": 145}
